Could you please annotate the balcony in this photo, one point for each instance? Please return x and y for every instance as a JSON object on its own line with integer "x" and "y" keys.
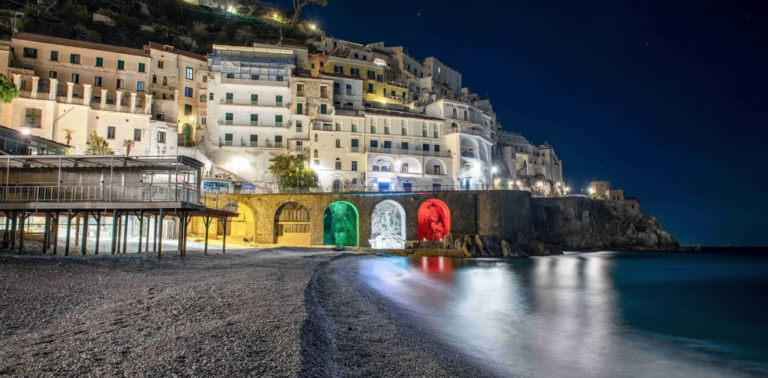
{"x": 355, "y": 150}
{"x": 122, "y": 109}
{"x": 265, "y": 104}
{"x": 252, "y": 144}
{"x": 323, "y": 127}
{"x": 410, "y": 151}
{"x": 268, "y": 83}
{"x": 255, "y": 124}
{"x": 37, "y": 96}
{"x": 486, "y": 134}
{"x": 301, "y": 94}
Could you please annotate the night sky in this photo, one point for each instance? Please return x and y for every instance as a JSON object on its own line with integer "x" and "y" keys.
{"x": 666, "y": 99}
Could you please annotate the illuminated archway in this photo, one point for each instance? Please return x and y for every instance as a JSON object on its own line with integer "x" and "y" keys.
{"x": 292, "y": 224}
{"x": 341, "y": 224}
{"x": 388, "y": 226}
{"x": 434, "y": 220}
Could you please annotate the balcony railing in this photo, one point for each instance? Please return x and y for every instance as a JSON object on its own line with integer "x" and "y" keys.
{"x": 249, "y": 144}
{"x": 122, "y": 109}
{"x": 266, "y": 104}
{"x": 139, "y": 193}
{"x": 404, "y": 188}
{"x": 300, "y": 94}
{"x": 413, "y": 151}
{"x": 270, "y": 83}
{"x": 322, "y": 127}
{"x": 256, "y": 124}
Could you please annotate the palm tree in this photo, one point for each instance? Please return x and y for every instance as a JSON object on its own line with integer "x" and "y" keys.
{"x": 128, "y": 144}
{"x": 68, "y": 135}
{"x": 97, "y": 146}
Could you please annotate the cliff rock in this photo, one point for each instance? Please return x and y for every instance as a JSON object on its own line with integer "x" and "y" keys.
{"x": 585, "y": 224}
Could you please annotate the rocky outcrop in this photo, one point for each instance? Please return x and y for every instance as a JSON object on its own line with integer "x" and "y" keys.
{"x": 485, "y": 246}
{"x": 585, "y": 224}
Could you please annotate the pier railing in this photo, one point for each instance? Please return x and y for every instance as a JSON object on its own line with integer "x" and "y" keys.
{"x": 107, "y": 193}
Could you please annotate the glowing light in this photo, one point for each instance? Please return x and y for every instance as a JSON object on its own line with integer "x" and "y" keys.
{"x": 591, "y": 190}
{"x": 493, "y": 170}
{"x": 25, "y": 132}
{"x": 434, "y": 220}
{"x": 312, "y": 26}
{"x": 231, "y": 9}
{"x": 274, "y": 15}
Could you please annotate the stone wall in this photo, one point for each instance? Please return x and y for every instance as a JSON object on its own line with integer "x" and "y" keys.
{"x": 579, "y": 223}
{"x": 500, "y": 214}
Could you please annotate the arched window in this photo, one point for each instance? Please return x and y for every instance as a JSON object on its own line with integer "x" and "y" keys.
{"x": 338, "y": 143}
{"x": 164, "y": 97}
{"x": 317, "y": 154}
{"x": 154, "y": 79}
{"x": 202, "y": 98}
{"x": 466, "y": 115}
{"x": 315, "y": 138}
{"x": 357, "y": 56}
{"x": 210, "y": 97}
{"x": 154, "y": 94}
{"x": 455, "y": 114}
{"x": 165, "y": 80}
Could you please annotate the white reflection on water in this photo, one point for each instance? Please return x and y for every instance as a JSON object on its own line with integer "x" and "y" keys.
{"x": 538, "y": 317}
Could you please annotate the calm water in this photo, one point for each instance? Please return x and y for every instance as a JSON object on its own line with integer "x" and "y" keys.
{"x": 603, "y": 314}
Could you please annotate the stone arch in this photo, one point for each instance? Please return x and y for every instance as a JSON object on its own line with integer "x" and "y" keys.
{"x": 388, "y": 226}
{"x": 470, "y": 148}
{"x": 292, "y": 224}
{"x": 434, "y": 220}
{"x": 455, "y": 114}
{"x": 414, "y": 165}
{"x": 341, "y": 224}
{"x": 384, "y": 164}
{"x": 429, "y": 167}
{"x": 243, "y": 227}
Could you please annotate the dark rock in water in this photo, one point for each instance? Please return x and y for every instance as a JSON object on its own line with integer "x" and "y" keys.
{"x": 412, "y": 244}
{"x": 583, "y": 224}
{"x": 541, "y": 249}
{"x": 511, "y": 250}
{"x": 458, "y": 244}
{"x": 468, "y": 246}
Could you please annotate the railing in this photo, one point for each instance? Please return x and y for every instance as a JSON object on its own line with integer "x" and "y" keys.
{"x": 300, "y": 94}
{"x": 37, "y": 96}
{"x": 214, "y": 201}
{"x": 139, "y": 109}
{"x": 400, "y": 151}
{"x": 271, "y": 83}
{"x": 322, "y": 127}
{"x": 404, "y": 188}
{"x": 354, "y": 149}
{"x": 256, "y": 124}
{"x": 467, "y": 130}
{"x": 142, "y": 193}
{"x": 267, "y": 104}
{"x": 249, "y": 144}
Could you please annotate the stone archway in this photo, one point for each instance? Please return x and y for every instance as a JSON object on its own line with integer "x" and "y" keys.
{"x": 292, "y": 224}
{"x": 341, "y": 224}
{"x": 388, "y": 226}
{"x": 434, "y": 220}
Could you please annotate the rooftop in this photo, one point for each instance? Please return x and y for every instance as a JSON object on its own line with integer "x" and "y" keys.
{"x": 77, "y": 43}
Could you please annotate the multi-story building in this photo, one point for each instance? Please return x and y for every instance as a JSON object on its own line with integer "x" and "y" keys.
{"x": 531, "y": 166}
{"x": 72, "y": 89}
{"x": 375, "y": 87}
{"x": 179, "y": 87}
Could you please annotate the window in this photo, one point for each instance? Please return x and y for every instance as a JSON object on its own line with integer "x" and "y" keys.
{"x": 354, "y": 166}
{"x": 160, "y": 64}
{"x": 190, "y": 73}
{"x": 404, "y": 145}
{"x": 404, "y": 168}
{"x": 33, "y": 118}
{"x": 373, "y": 129}
{"x": 338, "y": 143}
{"x": 120, "y": 64}
{"x": 110, "y": 132}
{"x": 338, "y": 70}
{"x": 254, "y": 99}
{"x": 140, "y": 86}
{"x": 387, "y": 144}
{"x": 97, "y": 81}
{"x": 313, "y": 66}
{"x": 55, "y": 56}
{"x": 338, "y": 164}
{"x": 203, "y": 98}
{"x": 154, "y": 79}
{"x": 404, "y": 130}
{"x": 354, "y": 128}
{"x": 437, "y": 187}
{"x": 299, "y": 108}
{"x": 202, "y": 120}
{"x": 210, "y": 96}
{"x": 466, "y": 116}
{"x": 161, "y": 137}
{"x": 324, "y": 91}
{"x": 278, "y": 140}
{"x": 254, "y": 139}
{"x": 30, "y": 53}
{"x": 279, "y": 100}
{"x": 425, "y": 147}
{"x": 354, "y": 71}
{"x": 74, "y": 58}
{"x": 75, "y": 78}
{"x": 228, "y": 139}
{"x": 338, "y": 127}
{"x": 370, "y": 88}
{"x": 53, "y": 74}
{"x": 142, "y": 67}
{"x": 386, "y": 130}
{"x": 424, "y": 131}
{"x": 371, "y": 75}
{"x": 228, "y": 118}
{"x": 317, "y": 154}
{"x": 229, "y": 97}
{"x": 188, "y": 92}
{"x": 437, "y": 148}
{"x": 315, "y": 138}
{"x": 379, "y": 78}
{"x": 120, "y": 83}
{"x": 254, "y": 119}
{"x": 298, "y": 126}
{"x": 187, "y": 109}
{"x": 278, "y": 120}
{"x": 393, "y": 94}
{"x": 407, "y": 186}
{"x": 336, "y": 88}
{"x": 164, "y": 96}
{"x": 323, "y": 109}
{"x": 205, "y": 79}
{"x": 278, "y": 78}
{"x": 436, "y": 170}
{"x": 253, "y": 76}
{"x": 374, "y": 144}
{"x": 354, "y": 143}
{"x": 137, "y": 135}
{"x": 349, "y": 89}
{"x": 165, "y": 80}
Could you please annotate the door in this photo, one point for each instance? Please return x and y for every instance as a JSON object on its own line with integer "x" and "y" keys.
{"x": 336, "y": 185}
{"x": 383, "y": 186}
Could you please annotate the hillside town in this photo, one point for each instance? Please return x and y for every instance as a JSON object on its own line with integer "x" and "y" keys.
{"x": 365, "y": 117}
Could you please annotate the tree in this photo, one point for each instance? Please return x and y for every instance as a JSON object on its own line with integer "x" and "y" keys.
{"x": 299, "y": 4}
{"x": 97, "y": 146}
{"x": 128, "y": 144}
{"x": 292, "y": 172}
{"x": 8, "y": 90}
{"x": 68, "y": 135}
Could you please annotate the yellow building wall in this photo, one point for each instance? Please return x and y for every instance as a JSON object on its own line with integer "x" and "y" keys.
{"x": 372, "y": 89}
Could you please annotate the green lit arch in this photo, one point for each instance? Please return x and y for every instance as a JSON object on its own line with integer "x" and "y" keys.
{"x": 340, "y": 220}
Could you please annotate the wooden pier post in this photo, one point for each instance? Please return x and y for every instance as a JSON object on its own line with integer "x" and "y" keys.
{"x": 159, "y": 234}
{"x": 207, "y": 223}
{"x": 125, "y": 232}
{"x": 98, "y": 229}
{"x": 114, "y": 231}
{"x": 141, "y": 227}
{"x": 23, "y": 218}
{"x": 224, "y": 245}
{"x": 46, "y": 232}
{"x": 69, "y": 222}
{"x": 84, "y": 245}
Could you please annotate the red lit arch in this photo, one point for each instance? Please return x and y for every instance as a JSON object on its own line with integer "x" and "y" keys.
{"x": 434, "y": 220}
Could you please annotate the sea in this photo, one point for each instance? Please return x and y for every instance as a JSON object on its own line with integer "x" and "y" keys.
{"x": 590, "y": 314}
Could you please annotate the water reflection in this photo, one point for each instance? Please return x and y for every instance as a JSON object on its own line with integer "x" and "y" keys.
{"x": 549, "y": 316}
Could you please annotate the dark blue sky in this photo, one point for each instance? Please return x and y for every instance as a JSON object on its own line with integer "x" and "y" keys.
{"x": 666, "y": 99}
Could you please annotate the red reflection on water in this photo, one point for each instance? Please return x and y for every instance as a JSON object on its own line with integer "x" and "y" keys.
{"x": 434, "y": 265}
